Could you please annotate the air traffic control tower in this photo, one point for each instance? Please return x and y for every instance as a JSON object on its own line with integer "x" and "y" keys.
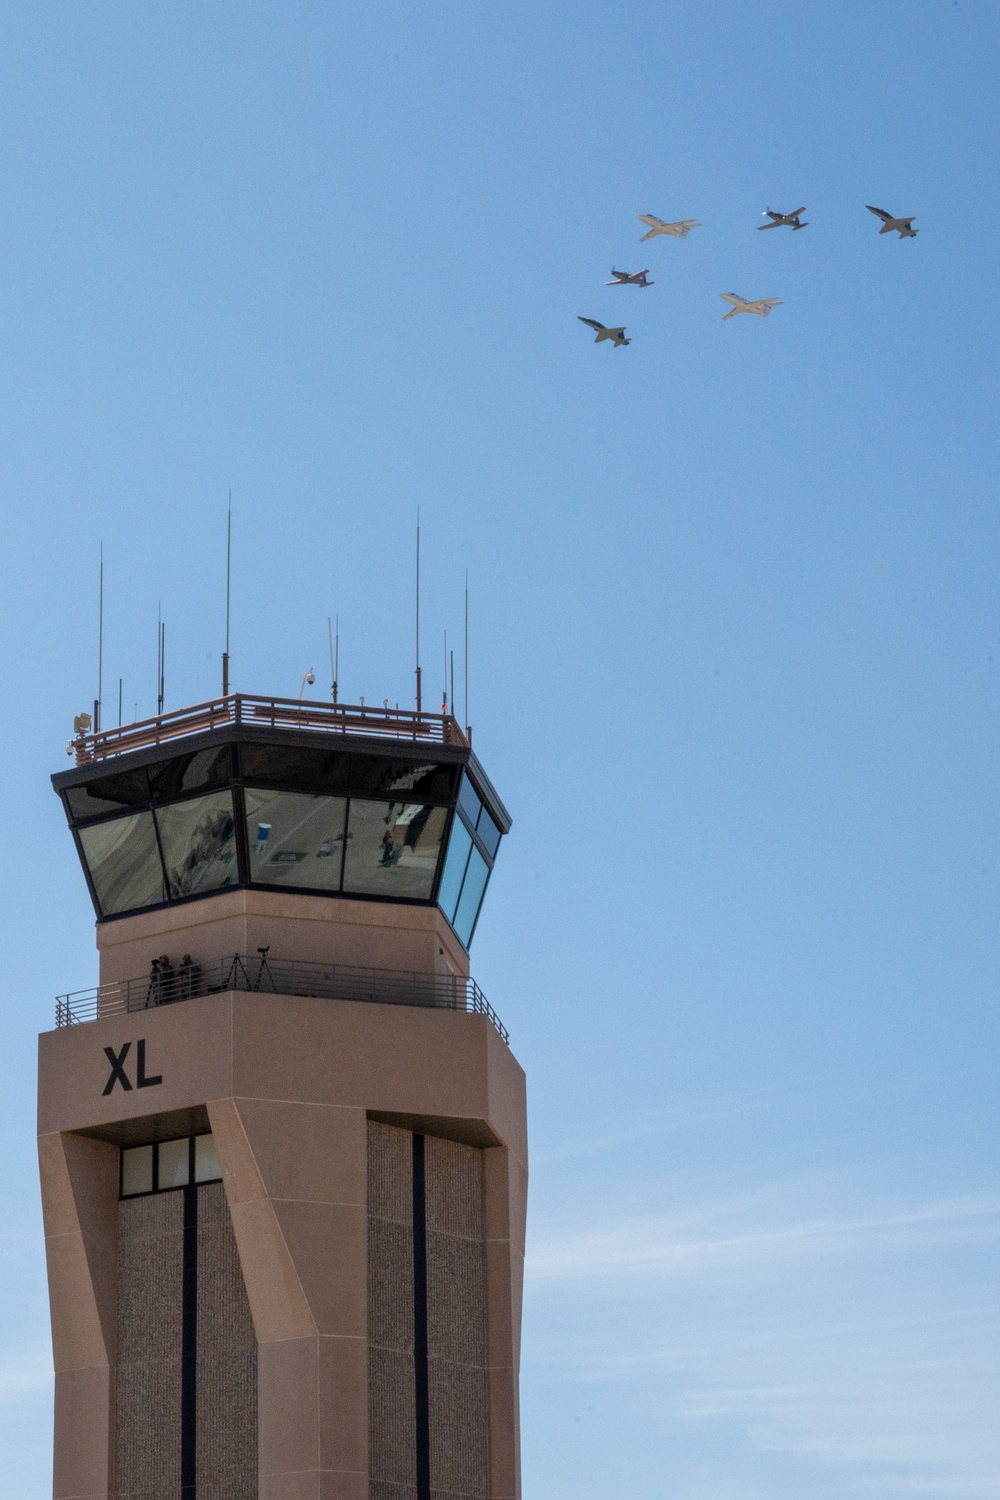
{"x": 283, "y": 1143}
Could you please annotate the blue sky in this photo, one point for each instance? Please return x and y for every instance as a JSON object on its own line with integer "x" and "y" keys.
{"x": 734, "y": 625}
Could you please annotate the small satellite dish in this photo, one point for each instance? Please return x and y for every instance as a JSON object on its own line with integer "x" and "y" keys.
{"x": 81, "y": 723}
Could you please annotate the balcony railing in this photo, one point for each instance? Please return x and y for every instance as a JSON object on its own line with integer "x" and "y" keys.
{"x": 277, "y": 976}
{"x": 272, "y": 713}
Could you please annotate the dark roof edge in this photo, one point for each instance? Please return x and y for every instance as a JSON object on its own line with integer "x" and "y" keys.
{"x": 304, "y": 739}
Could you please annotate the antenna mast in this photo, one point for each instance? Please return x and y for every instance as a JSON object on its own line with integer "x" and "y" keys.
{"x": 161, "y": 645}
{"x": 467, "y": 731}
{"x": 100, "y": 645}
{"x": 334, "y": 656}
{"x": 419, "y": 705}
{"x": 229, "y": 548}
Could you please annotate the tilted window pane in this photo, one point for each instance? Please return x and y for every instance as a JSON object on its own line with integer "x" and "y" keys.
{"x": 454, "y": 868}
{"x": 109, "y": 794}
{"x": 468, "y": 801}
{"x": 324, "y": 772}
{"x": 186, "y": 773}
{"x": 393, "y": 848}
{"x": 199, "y": 844}
{"x": 206, "y": 1161}
{"x": 174, "y": 1166}
{"x": 124, "y": 862}
{"x": 471, "y": 898}
{"x": 137, "y": 1170}
{"x": 371, "y": 775}
{"x": 295, "y": 839}
{"x": 489, "y": 833}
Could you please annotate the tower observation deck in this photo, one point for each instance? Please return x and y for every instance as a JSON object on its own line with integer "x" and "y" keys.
{"x": 283, "y": 1141}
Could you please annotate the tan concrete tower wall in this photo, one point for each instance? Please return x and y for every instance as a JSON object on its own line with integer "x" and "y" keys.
{"x": 374, "y": 934}
{"x": 287, "y": 1086}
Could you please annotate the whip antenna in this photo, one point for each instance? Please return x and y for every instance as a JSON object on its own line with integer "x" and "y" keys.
{"x": 229, "y": 549}
{"x": 419, "y": 705}
{"x": 100, "y": 645}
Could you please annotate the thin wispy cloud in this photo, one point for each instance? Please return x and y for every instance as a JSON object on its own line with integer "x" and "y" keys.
{"x": 853, "y": 1334}
{"x": 661, "y": 1244}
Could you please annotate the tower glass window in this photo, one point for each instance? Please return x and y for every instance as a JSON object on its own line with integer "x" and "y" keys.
{"x": 199, "y": 844}
{"x": 124, "y": 863}
{"x": 115, "y": 793}
{"x": 454, "y": 868}
{"x": 393, "y": 848}
{"x": 295, "y": 839}
{"x": 468, "y": 801}
{"x": 165, "y": 1165}
{"x": 325, "y": 814}
{"x": 188, "y": 773}
{"x": 137, "y": 1171}
{"x": 469, "y": 902}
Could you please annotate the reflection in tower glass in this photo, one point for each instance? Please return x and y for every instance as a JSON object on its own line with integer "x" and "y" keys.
{"x": 124, "y": 862}
{"x": 199, "y": 844}
{"x": 471, "y": 898}
{"x": 295, "y": 839}
{"x": 393, "y": 848}
{"x": 468, "y": 801}
{"x": 454, "y": 868}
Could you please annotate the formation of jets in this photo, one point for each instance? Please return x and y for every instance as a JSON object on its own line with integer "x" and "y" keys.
{"x": 680, "y": 229}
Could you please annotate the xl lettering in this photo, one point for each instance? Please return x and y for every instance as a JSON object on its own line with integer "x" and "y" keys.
{"x": 118, "y": 1073}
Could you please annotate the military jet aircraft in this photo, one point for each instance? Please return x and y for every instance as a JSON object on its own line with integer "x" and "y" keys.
{"x": 617, "y": 335}
{"x": 906, "y": 232}
{"x": 681, "y": 228}
{"x": 629, "y": 278}
{"x": 779, "y": 220}
{"x": 740, "y": 305}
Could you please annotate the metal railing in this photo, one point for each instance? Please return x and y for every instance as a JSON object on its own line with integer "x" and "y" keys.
{"x": 272, "y": 713}
{"x": 277, "y": 976}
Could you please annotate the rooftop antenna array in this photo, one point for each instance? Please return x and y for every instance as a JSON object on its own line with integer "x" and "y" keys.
{"x": 418, "y": 612}
{"x": 334, "y": 657}
{"x": 229, "y": 551}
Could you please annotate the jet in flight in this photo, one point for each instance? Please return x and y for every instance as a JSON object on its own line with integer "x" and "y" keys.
{"x": 629, "y": 278}
{"x": 777, "y": 220}
{"x": 740, "y": 305}
{"x": 617, "y": 335}
{"x": 681, "y": 228}
{"x": 906, "y": 231}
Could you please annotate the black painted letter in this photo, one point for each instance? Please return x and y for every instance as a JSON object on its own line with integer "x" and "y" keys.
{"x": 117, "y": 1061}
{"x": 142, "y": 1082}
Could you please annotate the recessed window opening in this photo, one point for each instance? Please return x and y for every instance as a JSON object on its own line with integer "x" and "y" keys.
{"x": 165, "y": 1165}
